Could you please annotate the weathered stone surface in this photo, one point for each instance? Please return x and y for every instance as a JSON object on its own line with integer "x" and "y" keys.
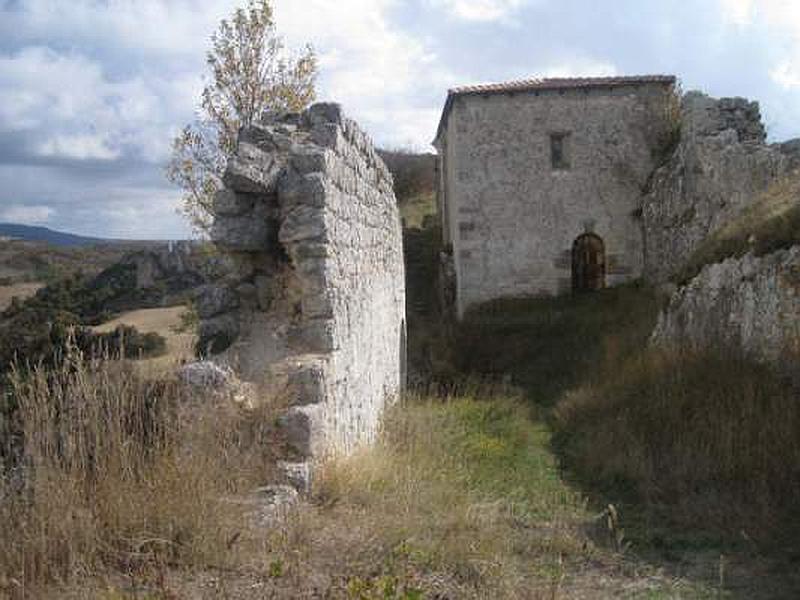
{"x": 303, "y": 427}
{"x": 273, "y": 504}
{"x": 510, "y": 215}
{"x": 205, "y": 374}
{"x": 266, "y": 291}
{"x": 213, "y": 380}
{"x": 707, "y": 116}
{"x": 253, "y": 170}
{"x": 228, "y": 203}
{"x": 250, "y": 232}
{"x": 321, "y": 315}
{"x": 748, "y": 304}
{"x": 213, "y": 300}
{"x": 298, "y": 474}
{"x": 717, "y": 170}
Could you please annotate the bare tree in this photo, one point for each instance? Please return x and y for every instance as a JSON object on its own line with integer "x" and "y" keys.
{"x": 250, "y": 71}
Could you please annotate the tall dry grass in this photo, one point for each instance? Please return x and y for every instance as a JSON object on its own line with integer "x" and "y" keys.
{"x": 112, "y": 471}
{"x": 708, "y": 441}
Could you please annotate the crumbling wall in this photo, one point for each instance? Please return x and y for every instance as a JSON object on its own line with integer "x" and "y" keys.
{"x": 314, "y": 304}
{"x": 750, "y": 304}
{"x": 719, "y": 167}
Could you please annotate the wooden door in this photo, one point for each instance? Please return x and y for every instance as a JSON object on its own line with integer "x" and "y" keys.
{"x": 588, "y": 263}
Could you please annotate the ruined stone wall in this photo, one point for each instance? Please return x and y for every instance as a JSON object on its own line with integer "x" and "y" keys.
{"x": 512, "y": 218}
{"x": 315, "y": 304}
{"x": 748, "y": 304}
{"x": 719, "y": 168}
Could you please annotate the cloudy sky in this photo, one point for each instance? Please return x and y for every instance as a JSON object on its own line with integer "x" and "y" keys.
{"x": 92, "y": 91}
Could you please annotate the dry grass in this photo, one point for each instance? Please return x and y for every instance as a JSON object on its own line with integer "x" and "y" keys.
{"x": 19, "y": 290}
{"x": 771, "y": 223}
{"x": 706, "y": 442}
{"x": 460, "y": 498}
{"x": 165, "y": 322}
{"x": 116, "y": 473}
{"x": 124, "y": 495}
{"x": 699, "y": 452}
{"x": 416, "y": 209}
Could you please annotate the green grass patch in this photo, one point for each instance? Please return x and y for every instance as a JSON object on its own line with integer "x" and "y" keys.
{"x": 462, "y": 498}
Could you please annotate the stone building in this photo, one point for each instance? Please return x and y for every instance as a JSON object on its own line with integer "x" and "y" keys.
{"x": 541, "y": 183}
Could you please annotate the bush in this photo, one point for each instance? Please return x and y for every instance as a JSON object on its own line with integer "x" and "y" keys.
{"x": 127, "y": 340}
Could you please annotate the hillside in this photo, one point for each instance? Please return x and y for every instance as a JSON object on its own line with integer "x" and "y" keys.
{"x": 44, "y": 234}
{"x": 23, "y": 261}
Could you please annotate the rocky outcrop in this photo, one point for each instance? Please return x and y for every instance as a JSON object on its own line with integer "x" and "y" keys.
{"x": 719, "y": 167}
{"x": 750, "y": 304}
{"x": 313, "y": 305}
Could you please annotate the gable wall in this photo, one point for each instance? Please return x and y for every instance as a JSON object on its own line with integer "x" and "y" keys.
{"x": 512, "y": 218}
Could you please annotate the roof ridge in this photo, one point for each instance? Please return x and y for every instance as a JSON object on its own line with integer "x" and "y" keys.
{"x": 548, "y": 83}
{"x": 561, "y": 82}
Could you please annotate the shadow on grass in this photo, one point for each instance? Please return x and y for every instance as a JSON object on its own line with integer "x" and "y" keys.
{"x": 558, "y": 348}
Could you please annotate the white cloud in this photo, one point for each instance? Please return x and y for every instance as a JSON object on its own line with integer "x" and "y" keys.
{"x": 26, "y": 214}
{"x": 162, "y": 27}
{"x": 738, "y": 12}
{"x": 580, "y": 68}
{"x": 781, "y": 19}
{"x": 71, "y": 108}
{"x": 480, "y": 10}
{"x": 377, "y": 71}
{"x": 77, "y": 147}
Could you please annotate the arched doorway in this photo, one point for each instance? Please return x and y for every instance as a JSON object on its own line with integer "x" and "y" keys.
{"x": 588, "y": 263}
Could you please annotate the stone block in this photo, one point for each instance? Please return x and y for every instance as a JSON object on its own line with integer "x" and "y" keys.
{"x": 213, "y": 300}
{"x": 247, "y": 233}
{"x": 325, "y": 112}
{"x": 254, "y": 171}
{"x": 298, "y": 474}
{"x": 306, "y": 380}
{"x": 266, "y": 291}
{"x": 228, "y": 203}
{"x": 302, "y": 427}
{"x": 302, "y": 224}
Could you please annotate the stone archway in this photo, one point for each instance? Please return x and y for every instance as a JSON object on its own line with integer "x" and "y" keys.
{"x": 588, "y": 263}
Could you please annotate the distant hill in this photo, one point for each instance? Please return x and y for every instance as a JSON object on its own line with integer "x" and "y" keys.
{"x": 43, "y": 234}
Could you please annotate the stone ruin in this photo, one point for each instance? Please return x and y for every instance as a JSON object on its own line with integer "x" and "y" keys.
{"x": 721, "y": 166}
{"x": 314, "y": 304}
{"x": 718, "y": 169}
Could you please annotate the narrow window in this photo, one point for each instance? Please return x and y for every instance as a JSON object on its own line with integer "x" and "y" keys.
{"x": 559, "y": 150}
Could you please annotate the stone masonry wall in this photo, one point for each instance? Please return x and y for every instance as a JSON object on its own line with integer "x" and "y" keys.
{"x": 719, "y": 168}
{"x": 512, "y": 218}
{"x": 315, "y": 304}
{"x": 748, "y": 304}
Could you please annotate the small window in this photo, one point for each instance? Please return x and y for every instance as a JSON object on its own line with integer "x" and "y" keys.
{"x": 559, "y": 150}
